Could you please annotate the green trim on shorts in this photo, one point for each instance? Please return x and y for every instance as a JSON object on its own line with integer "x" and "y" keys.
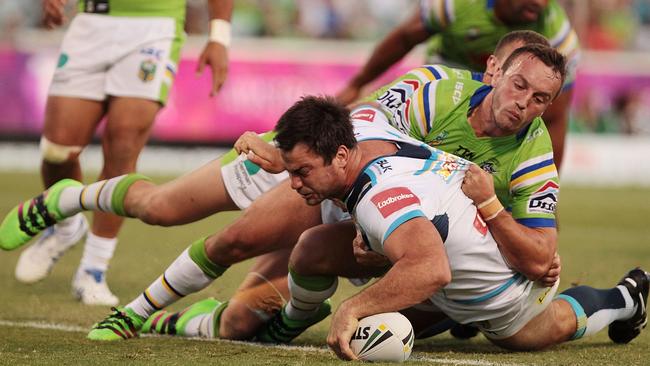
{"x": 121, "y": 188}
{"x": 174, "y": 57}
{"x": 200, "y": 257}
{"x": 312, "y": 283}
{"x": 231, "y": 155}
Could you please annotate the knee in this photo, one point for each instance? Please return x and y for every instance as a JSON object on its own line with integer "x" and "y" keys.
{"x": 53, "y": 153}
{"x": 233, "y": 245}
{"x": 238, "y": 322}
{"x": 309, "y": 257}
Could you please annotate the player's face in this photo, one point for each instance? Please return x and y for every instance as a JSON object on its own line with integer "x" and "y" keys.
{"x": 522, "y": 93}
{"x": 310, "y": 176}
{"x": 526, "y": 11}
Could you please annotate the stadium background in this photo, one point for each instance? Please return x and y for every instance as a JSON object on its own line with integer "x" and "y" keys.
{"x": 283, "y": 49}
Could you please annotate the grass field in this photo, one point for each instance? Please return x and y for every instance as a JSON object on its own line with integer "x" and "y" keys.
{"x": 604, "y": 233}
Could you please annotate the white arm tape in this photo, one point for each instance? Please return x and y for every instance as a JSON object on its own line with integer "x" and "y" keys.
{"x": 220, "y": 32}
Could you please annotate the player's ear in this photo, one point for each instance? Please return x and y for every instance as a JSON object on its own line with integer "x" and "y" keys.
{"x": 342, "y": 155}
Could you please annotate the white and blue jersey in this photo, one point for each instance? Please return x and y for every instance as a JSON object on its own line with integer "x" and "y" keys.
{"x": 421, "y": 181}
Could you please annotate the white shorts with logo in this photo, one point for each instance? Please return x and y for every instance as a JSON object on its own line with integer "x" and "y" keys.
{"x": 504, "y": 315}
{"x": 105, "y": 55}
{"x": 246, "y": 181}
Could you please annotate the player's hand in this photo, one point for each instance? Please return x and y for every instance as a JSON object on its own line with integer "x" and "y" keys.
{"x": 478, "y": 184}
{"x": 348, "y": 95}
{"x": 54, "y": 13}
{"x": 216, "y": 55}
{"x": 365, "y": 256}
{"x": 259, "y": 152}
{"x": 553, "y": 274}
{"x": 342, "y": 328}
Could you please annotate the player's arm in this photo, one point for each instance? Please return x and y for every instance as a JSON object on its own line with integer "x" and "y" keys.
{"x": 54, "y": 13}
{"x": 420, "y": 268}
{"x": 529, "y": 250}
{"x": 390, "y": 50}
{"x": 215, "y": 53}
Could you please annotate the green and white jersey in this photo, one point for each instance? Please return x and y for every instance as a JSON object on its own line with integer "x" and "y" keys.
{"x": 468, "y": 31}
{"x": 136, "y": 8}
{"x": 391, "y": 96}
{"x": 525, "y": 177}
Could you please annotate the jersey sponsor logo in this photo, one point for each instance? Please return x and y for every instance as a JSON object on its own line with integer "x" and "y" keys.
{"x": 458, "y": 92}
{"x": 464, "y": 153}
{"x": 544, "y": 200}
{"x": 480, "y": 225}
{"x": 393, "y": 200}
{"x": 367, "y": 115}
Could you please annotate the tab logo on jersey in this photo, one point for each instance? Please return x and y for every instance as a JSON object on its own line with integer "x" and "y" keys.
{"x": 393, "y": 200}
{"x": 544, "y": 200}
{"x": 367, "y": 115}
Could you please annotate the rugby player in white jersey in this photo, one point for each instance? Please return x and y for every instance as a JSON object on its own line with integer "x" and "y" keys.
{"x": 407, "y": 200}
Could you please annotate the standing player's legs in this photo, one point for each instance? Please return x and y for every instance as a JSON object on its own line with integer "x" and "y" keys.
{"x": 129, "y": 121}
{"x": 68, "y": 128}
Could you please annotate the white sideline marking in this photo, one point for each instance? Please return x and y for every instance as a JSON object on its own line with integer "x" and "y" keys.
{"x": 415, "y": 357}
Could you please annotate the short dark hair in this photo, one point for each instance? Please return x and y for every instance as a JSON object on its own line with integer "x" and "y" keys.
{"x": 549, "y": 56}
{"x": 321, "y": 123}
{"x": 527, "y": 37}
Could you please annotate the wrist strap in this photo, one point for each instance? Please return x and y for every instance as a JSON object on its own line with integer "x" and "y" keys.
{"x": 490, "y": 208}
{"x": 220, "y": 32}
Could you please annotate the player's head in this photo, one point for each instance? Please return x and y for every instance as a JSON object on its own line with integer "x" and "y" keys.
{"x": 315, "y": 137}
{"x": 531, "y": 77}
{"x": 508, "y": 43}
{"x": 520, "y": 11}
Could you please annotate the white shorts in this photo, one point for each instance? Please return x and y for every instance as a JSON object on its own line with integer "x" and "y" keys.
{"x": 246, "y": 181}
{"x": 105, "y": 55}
{"x": 504, "y": 315}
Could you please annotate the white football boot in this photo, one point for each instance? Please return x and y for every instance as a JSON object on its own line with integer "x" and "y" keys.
{"x": 89, "y": 286}
{"x": 36, "y": 261}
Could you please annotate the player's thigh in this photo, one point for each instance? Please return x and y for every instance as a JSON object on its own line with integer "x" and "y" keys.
{"x": 556, "y": 324}
{"x": 262, "y": 294}
{"x": 274, "y": 221}
{"x": 327, "y": 250}
{"x": 190, "y": 197}
{"x": 71, "y": 121}
{"x": 127, "y": 129}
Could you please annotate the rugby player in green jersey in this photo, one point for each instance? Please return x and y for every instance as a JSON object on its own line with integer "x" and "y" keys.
{"x": 117, "y": 62}
{"x": 466, "y": 32}
{"x": 164, "y": 205}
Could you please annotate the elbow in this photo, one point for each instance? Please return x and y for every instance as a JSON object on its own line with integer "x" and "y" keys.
{"x": 439, "y": 279}
{"x": 537, "y": 269}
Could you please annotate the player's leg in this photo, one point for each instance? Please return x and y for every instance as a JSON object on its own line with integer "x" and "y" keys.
{"x": 582, "y": 311}
{"x": 129, "y": 121}
{"x": 69, "y": 126}
{"x": 322, "y": 254}
{"x": 258, "y": 298}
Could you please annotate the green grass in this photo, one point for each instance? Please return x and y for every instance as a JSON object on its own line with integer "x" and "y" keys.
{"x": 604, "y": 232}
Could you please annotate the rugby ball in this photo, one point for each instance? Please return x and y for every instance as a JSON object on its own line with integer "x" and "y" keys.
{"x": 383, "y": 337}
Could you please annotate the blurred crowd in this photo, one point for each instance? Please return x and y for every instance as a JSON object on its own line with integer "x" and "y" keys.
{"x": 603, "y": 25}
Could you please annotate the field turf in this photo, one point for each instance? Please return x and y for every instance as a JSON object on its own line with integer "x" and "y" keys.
{"x": 603, "y": 234}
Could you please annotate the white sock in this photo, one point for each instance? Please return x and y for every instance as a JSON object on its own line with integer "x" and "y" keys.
{"x": 69, "y": 228}
{"x": 98, "y": 252}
